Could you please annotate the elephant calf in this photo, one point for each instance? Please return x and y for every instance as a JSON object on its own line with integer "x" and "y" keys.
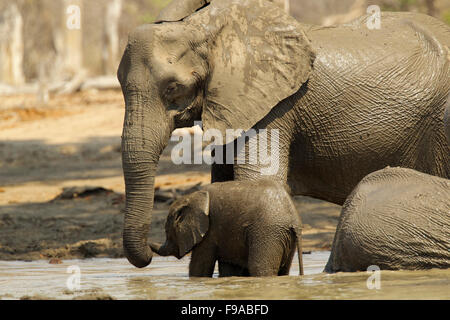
{"x": 250, "y": 227}
{"x": 395, "y": 218}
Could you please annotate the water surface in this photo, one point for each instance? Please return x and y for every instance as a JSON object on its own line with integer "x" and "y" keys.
{"x": 167, "y": 278}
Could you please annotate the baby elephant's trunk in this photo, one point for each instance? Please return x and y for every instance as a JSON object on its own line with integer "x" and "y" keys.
{"x": 163, "y": 250}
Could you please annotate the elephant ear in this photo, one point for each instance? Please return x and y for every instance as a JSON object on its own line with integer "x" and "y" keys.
{"x": 180, "y": 9}
{"x": 260, "y": 56}
{"x": 192, "y": 221}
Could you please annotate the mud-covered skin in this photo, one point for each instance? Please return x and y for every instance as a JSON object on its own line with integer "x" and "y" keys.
{"x": 396, "y": 218}
{"x": 374, "y": 98}
{"x": 346, "y": 100}
{"x": 250, "y": 227}
{"x": 447, "y": 120}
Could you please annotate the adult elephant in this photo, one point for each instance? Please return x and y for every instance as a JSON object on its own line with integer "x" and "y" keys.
{"x": 346, "y": 100}
{"x": 395, "y": 218}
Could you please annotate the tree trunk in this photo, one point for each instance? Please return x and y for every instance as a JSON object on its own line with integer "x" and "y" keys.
{"x": 68, "y": 38}
{"x": 110, "y": 50}
{"x": 287, "y": 6}
{"x": 11, "y": 46}
{"x": 431, "y": 7}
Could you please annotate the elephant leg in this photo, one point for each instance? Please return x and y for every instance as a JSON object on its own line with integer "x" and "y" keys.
{"x": 287, "y": 262}
{"x": 203, "y": 261}
{"x": 221, "y": 172}
{"x": 231, "y": 270}
{"x": 265, "y": 256}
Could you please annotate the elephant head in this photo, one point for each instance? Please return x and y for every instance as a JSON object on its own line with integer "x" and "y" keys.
{"x": 186, "y": 225}
{"x": 228, "y": 64}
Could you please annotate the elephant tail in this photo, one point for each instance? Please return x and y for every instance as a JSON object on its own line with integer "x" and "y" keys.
{"x": 298, "y": 236}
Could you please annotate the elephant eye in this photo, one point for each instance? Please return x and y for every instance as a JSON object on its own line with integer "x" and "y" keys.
{"x": 181, "y": 214}
{"x": 171, "y": 88}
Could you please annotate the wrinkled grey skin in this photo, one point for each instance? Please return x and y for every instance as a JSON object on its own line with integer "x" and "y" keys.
{"x": 251, "y": 228}
{"x": 447, "y": 120}
{"x": 347, "y": 101}
{"x": 396, "y": 218}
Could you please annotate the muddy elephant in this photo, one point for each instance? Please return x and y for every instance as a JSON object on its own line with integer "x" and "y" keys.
{"x": 343, "y": 101}
{"x": 396, "y": 218}
{"x": 447, "y": 120}
{"x": 251, "y": 228}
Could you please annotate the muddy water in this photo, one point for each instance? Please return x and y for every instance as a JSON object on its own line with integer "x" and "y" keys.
{"x": 167, "y": 278}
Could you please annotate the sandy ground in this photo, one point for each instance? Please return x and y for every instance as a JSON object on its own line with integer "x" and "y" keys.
{"x": 74, "y": 141}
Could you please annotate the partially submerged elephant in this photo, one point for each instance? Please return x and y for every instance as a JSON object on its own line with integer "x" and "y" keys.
{"x": 251, "y": 228}
{"x": 346, "y": 100}
{"x": 396, "y": 218}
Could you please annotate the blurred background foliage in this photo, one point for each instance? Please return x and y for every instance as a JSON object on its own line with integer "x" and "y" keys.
{"x": 41, "y": 16}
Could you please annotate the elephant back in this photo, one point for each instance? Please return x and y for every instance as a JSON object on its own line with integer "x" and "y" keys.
{"x": 396, "y": 218}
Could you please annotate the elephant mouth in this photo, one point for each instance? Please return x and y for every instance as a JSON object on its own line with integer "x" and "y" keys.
{"x": 185, "y": 116}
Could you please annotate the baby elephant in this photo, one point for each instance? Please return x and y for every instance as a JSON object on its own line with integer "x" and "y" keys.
{"x": 395, "y": 218}
{"x": 251, "y": 228}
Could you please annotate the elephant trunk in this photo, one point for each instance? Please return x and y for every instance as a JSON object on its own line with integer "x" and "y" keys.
{"x": 139, "y": 181}
{"x": 163, "y": 250}
{"x": 146, "y": 132}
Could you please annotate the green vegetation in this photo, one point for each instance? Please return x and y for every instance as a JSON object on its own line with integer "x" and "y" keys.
{"x": 446, "y": 17}
{"x": 160, "y": 3}
{"x": 157, "y": 5}
{"x": 400, "y": 5}
{"x": 147, "y": 18}
{"x": 407, "y": 3}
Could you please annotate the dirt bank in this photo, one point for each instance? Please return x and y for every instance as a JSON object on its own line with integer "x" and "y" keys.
{"x": 75, "y": 142}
